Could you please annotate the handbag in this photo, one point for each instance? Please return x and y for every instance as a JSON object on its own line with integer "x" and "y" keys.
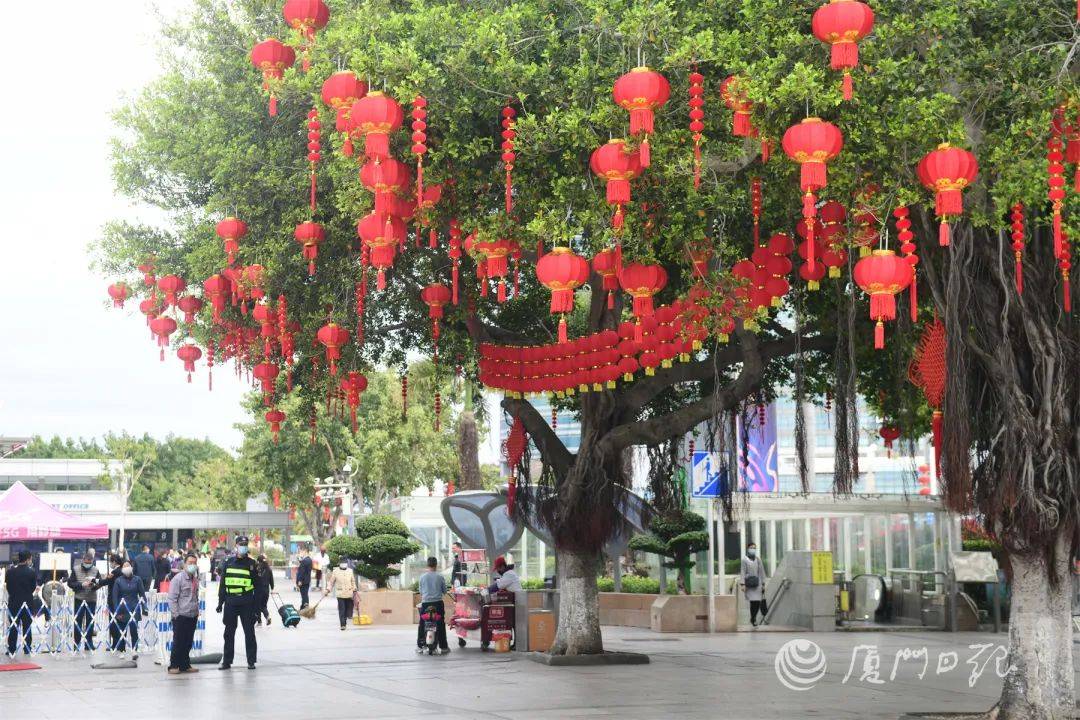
{"x": 752, "y": 582}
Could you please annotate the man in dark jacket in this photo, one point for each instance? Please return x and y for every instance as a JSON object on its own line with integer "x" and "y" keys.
{"x": 236, "y": 594}
{"x": 162, "y": 568}
{"x": 146, "y": 568}
{"x": 303, "y": 577}
{"x": 21, "y": 582}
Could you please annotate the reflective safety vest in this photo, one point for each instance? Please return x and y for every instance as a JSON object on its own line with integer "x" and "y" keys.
{"x": 238, "y": 580}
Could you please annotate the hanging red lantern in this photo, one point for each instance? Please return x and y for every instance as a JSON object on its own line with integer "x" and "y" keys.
{"x": 756, "y": 207}
{"x": 697, "y": 120}
{"x": 189, "y": 354}
{"x": 333, "y": 337}
{"x": 606, "y": 264}
{"x": 147, "y": 269}
{"x": 514, "y": 450}
{"x": 306, "y": 17}
{"x": 231, "y": 230}
{"x": 641, "y": 91}
{"x": 383, "y": 244}
{"x": 119, "y": 292}
{"x": 189, "y": 305}
{"x": 1055, "y": 172}
{"x": 263, "y": 314}
{"x": 508, "y": 155}
{"x": 275, "y": 417}
{"x": 617, "y": 167}
{"x": 1064, "y": 265}
{"x": 454, "y": 251}
{"x": 216, "y": 288}
{"x": 907, "y": 246}
{"x": 841, "y": 24}
{"x": 890, "y": 434}
{"x": 881, "y": 276}
{"x": 171, "y": 285}
{"x": 1017, "y": 228}
{"x": 272, "y": 57}
{"x": 276, "y": 498}
{"x": 385, "y": 179}
{"x": 354, "y": 384}
{"x": 562, "y": 272}
{"x": 309, "y": 235}
{"x": 163, "y": 326}
{"x": 266, "y": 373}
{"x": 314, "y": 146}
{"x": 436, "y": 296}
{"x": 374, "y": 117}
{"x": 734, "y": 96}
{"x": 812, "y": 143}
{"x": 947, "y": 171}
{"x": 642, "y": 282}
{"x": 419, "y": 143}
{"x": 340, "y": 91}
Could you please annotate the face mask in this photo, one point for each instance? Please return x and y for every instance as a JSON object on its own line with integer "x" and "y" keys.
{"x": 87, "y": 566}
{"x": 126, "y": 571}
{"x": 192, "y": 569}
{"x": 241, "y": 550}
{"x": 751, "y": 552}
{"x": 343, "y": 566}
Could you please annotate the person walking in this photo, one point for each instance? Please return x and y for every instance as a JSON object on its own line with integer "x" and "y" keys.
{"x": 145, "y": 568}
{"x": 752, "y": 580}
{"x": 128, "y": 602}
{"x": 303, "y": 576}
{"x": 184, "y": 609}
{"x": 343, "y": 583}
{"x": 317, "y": 568}
{"x": 459, "y": 575}
{"x": 85, "y": 580}
{"x": 264, "y": 584}
{"x": 236, "y": 595}
{"x": 21, "y": 581}
{"x": 161, "y": 568}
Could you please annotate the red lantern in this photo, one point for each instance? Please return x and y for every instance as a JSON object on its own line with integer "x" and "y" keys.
{"x": 230, "y": 230}
{"x": 147, "y": 269}
{"x": 882, "y": 276}
{"x": 947, "y": 171}
{"x": 189, "y": 354}
{"x": 189, "y": 305}
{"x": 333, "y": 337}
{"x": 508, "y": 154}
{"x": 606, "y": 264}
{"x": 616, "y": 166}
{"x": 163, "y": 326}
{"x": 697, "y": 120}
{"x": 890, "y": 434}
{"x": 562, "y": 271}
{"x": 374, "y": 117}
{"x": 842, "y": 24}
{"x": 339, "y": 92}
{"x": 642, "y": 282}
{"x": 216, "y": 287}
{"x": 735, "y": 98}
{"x": 272, "y": 57}
{"x": 812, "y": 143}
{"x": 306, "y": 17}
{"x": 1017, "y": 227}
{"x": 641, "y": 91}
{"x": 309, "y": 235}
{"x": 275, "y": 417}
{"x": 436, "y": 296}
{"x": 266, "y": 373}
{"x": 385, "y": 178}
{"x": 382, "y": 238}
{"x": 149, "y": 308}
{"x": 276, "y": 495}
{"x": 171, "y": 285}
{"x": 119, "y": 292}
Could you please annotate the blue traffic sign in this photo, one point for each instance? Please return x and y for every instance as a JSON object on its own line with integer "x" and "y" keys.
{"x": 707, "y": 476}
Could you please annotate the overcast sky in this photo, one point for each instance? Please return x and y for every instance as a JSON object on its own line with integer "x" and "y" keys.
{"x": 69, "y": 365}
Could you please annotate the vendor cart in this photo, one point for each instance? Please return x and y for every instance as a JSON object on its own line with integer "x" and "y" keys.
{"x": 478, "y": 614}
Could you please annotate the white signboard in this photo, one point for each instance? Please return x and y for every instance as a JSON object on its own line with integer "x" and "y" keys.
{"x": 58, "y": 561}
{"x": 974, "y": 566}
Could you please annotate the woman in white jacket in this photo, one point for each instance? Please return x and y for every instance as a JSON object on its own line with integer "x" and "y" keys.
{"x": 752, "y": 581}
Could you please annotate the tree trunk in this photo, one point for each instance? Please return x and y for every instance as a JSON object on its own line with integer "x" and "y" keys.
{"x": 1039, "y": 682}
{"x": 468, "y": 452}
{"x": 579, "y": 605}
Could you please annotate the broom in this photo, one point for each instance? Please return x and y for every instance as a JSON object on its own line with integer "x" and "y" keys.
{"x": 309, "y": 611}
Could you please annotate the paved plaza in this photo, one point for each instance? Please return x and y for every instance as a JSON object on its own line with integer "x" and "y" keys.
{"x": 318, "y": 671}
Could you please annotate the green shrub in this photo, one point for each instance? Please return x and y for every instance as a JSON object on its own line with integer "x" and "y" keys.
{"x": 677, "y": 536}
{"x": 636, "y": 585}
{"x": 533, "y": 584}
{"x": 605, "y": 584}
{"x": 415, "y": 586}
{"x": 733, "y": 567}
{"x": 981, "y": 545}
{"x": 380, "y": 541}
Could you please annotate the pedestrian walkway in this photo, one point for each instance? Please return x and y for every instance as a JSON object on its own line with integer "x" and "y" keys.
{"x": 318, "y": 671}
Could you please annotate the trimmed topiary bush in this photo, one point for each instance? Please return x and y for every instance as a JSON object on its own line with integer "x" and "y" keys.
{"x": 677, "y": 535}
{"x": 380, "y": 541}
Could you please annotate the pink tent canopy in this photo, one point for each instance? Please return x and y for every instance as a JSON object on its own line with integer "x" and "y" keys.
{"x": 25, "y": 516}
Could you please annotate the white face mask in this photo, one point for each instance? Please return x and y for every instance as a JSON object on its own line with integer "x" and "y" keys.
{"x": 126, "y": 571}
{"x": 751, "y": 552}
{"x": 343, "y": 566}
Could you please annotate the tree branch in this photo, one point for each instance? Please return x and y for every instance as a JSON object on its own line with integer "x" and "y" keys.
{"x": 655, "y": 430}
{"x": 552, "y": 449}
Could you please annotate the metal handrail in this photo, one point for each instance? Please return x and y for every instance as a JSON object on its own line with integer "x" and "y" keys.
{"x": 784, "y": 583}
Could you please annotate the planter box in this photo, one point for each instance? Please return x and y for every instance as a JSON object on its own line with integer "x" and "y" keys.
{"x": 388, "y": 607}
{"x": 626, "y": 609}
{"x": 689, "y": 613}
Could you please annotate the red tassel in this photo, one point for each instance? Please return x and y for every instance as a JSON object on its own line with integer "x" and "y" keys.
{"x": 1019, "y": 274}
{"x": 273, "y": 106}
{"x": 879, "y": 335}
{"x": 162, "y": 358}
{"x": 347, "y": 148}
{"x": 643, "y": 152}
{"x": 562, "y": 330}
{"x": 848, "y": 86}
{"x": 380, "y": 282}
{"x": 312, "y": 190}
{"x": 454, "y": 282}
{"x": 638, "y": 332}
{"x": 943, "y": 233}
{"x": 766, "y": 150}
{"x": 1057, "y": 232}
{"x": 935, "y": 426}
{"x": 311, "y": 268}
{"x": 1076, "y": 177}
{"x": 539, "y": 248}
{"x": 509, "y": 190}
{"x": 501, "y": 295}
{"x": 617, "y": 219}
{"x": 210, "y": 381}
{"x": 610, "y": 300}
{"x": 189, "y": 378}
{"x": 697, "y": 166}
{"x": 1067, "y": 295}
{"x": 914, "y": 299}
{"x": 433, "y": 239}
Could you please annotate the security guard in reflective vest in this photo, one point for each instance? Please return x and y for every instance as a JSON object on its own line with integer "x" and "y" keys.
{"x": 236, "y": 593}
